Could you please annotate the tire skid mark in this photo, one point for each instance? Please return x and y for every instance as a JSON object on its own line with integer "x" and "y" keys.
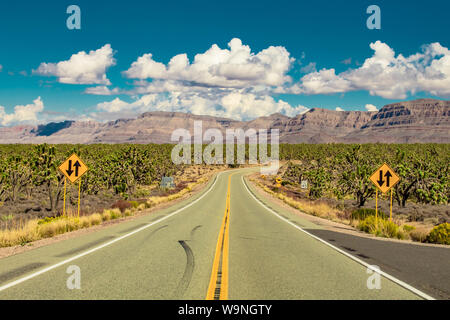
{"x": 188, "y": 270}
{"x": 20, "y": 271}
{"x": 155, "y": 231}
{"x": 194, "y": 230}
{"x": 84, "y": 247}
{"x": 109, "y": 243}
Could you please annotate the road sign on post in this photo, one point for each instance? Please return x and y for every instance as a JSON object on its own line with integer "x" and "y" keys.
{"x": 384, "y": 179}
{"x": 73, "y": 169}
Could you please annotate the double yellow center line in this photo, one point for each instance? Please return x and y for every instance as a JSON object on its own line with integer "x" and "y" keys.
{"x": 218, "y": 284}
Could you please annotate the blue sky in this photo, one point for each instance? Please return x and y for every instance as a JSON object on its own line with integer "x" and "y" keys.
{"x": 323, "y": 57}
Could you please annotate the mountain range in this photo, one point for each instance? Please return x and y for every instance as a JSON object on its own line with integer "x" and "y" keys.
{"x": 418, "y": 121}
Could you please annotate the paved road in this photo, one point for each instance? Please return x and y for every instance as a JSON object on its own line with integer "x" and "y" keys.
{"x": 221, "y": 244}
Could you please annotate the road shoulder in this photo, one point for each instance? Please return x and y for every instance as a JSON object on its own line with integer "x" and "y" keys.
{"x": 419, "y": 265}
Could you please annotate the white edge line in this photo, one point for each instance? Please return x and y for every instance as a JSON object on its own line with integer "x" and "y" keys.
{"x": 33, "y": 275}
{"x": 386, "y": 275}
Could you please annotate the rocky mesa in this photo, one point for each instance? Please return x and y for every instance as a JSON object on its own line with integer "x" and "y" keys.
{"x": 418, "y": 121}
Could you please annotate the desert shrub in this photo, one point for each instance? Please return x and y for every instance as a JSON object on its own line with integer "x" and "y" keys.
{"x": 141, "y": 193}
{"x": 408, "y": 228}
{"x": 419, "y": 234}
{"x": 122, "y": 205}
{"x": 7, "y": 217}
{"x": 48, "y": 220}
{"x": 19, "y": 236}
{"x": 134, "y": 204}
{"x": 115, "y": 213}
{"x": 440, "y": 234}
{"x": 85, "y": 222}
{"x": 147, "y": 205}
{"x": 56, "y": 227}
{"x": 96, "y": 219}
{"x": 106, "y": 215}
{"x": 381, "y": 227}
{"x": 363, "y": 213}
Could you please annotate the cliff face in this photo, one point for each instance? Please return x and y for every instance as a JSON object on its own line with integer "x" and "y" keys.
{"x": 322, "y": 125}
{"x": 425, "y": 120}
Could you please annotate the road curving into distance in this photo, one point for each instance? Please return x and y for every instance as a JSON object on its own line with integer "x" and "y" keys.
{"x": 223, "y": 243}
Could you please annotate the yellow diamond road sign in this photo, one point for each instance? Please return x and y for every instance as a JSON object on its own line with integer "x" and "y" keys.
{"x": 384, "y": 178}
{"x": 73, "y": 168}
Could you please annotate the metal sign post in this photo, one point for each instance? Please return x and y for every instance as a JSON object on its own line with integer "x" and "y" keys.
{"x": 384, "y": 178}
{"x": 73, "y": 169}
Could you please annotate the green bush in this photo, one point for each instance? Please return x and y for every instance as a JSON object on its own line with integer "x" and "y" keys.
{"x": 363, "y": 213}
{"x": 408, "y": 228}
{"x": 48, "y": 220}
{"x": 440, "y": 234}
{"x": 115, "y": 213}
{"x": 134, "y": 204}
{"x": 384, "y": 228}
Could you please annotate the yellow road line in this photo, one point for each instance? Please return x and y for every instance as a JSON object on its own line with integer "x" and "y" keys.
{"x": 220, "y": 264}
{"x": 224, "y": 284}
{"x": 215, "y": 268}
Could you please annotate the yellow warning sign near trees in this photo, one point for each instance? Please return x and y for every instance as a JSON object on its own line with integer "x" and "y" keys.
{"x": 73, "y": 168}
{"x": 384, "y": 178}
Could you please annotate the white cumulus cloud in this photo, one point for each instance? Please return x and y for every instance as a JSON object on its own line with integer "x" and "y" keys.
{"x": 101, "y": 91}
{"x": 23, "y": 114}
{"x": 386, "y": 74}
{"x": 371, "y": 107}
{"x": 82, "y": 67}
{"x": 236, "y": 67}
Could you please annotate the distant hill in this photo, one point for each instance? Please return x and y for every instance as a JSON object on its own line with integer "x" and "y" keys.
{"x": 418, "y": 121}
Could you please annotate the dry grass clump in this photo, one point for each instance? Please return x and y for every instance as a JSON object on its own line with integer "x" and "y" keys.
{"x": 106, "y": 215}
{"x": 49, "y": 227}
{"x": 17, "y": 236}
{"x": 419, "y": 234}
{"x": 318, "y": 209}
{"x": 95, "y": 219}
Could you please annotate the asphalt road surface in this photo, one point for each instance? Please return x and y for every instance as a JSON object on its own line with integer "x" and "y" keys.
{"x": 224, "y": 243}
